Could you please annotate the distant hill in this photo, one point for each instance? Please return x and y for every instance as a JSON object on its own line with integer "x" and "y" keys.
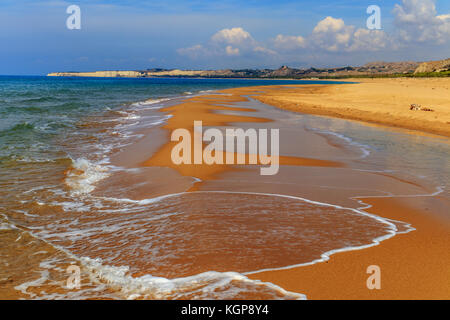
{"x": 433, "y": 66}
{"x": 370, "y": 69}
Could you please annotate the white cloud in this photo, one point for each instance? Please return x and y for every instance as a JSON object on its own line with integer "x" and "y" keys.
{"x": 193, "y": 52}
{"x": 283, "y": 42}
{"x": 235, "y": 36}
{"x": 232, "y": 51}
{"x": 329, "y": 24}
{"x": 417, "y": 21}
{"x": 264, "y": 50}
{"x": 227, "y": 42}
{"x": 329, "y": 35}
{"x": 334, "y": 35}
{"x": 370, "y": 40}
{"x": 444, "y": 17}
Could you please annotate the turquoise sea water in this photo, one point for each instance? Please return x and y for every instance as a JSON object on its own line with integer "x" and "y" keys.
{"x": 34, "y": 110}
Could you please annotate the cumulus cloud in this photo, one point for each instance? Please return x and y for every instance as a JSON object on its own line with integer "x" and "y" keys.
{"x": 232, "y": 51}
{"x": 370, "y": 40}
{"x": 193, "y": 52}
{"x": 330, "y": 34}
{"x": 264, "y": 50}
{"x": 334, "y": 35}
{"x": 330, "y": 24}
{"x": 418, "y": 21}
{"x": 283, "y": 42}
{"x": 235, "y": 36}
{"x": 227, "y": 42}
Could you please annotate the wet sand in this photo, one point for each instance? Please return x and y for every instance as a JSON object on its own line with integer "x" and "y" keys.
{"x": 381, "y": 101}
{"x": 206, "y": 109}
{"x": 414, "y": 265}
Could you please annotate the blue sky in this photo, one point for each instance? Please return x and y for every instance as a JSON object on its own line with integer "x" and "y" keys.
{"x": 131, "y": 34}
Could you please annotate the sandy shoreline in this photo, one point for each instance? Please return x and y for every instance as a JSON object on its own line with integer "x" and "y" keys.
{"x": 414, "y": 265}
{"x": 379, "y": 101}
{"x": 329, "y": 195}
{"x": 205, "y": 109}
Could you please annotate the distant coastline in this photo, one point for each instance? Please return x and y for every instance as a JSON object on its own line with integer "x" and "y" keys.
{"x": 439, "y": 68}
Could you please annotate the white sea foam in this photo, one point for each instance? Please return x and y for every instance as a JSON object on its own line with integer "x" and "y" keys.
{"x": 207, "y": 285}
{"x": 365, "y": 149}
{"x": 211, "y": 284}
{"x": 5, "y": 224}
{"x": 391, "y": 225}
{"x": 23, "y": 287}
{"x": 149, "y": 102}
{"x": 132, "y": 116}
{"x": 84, "y": 175}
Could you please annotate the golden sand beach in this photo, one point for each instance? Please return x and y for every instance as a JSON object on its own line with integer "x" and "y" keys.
{"x": 192, "y": 224}
{"x": 380, "y": 101}
{"x": 415, "y": 264}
